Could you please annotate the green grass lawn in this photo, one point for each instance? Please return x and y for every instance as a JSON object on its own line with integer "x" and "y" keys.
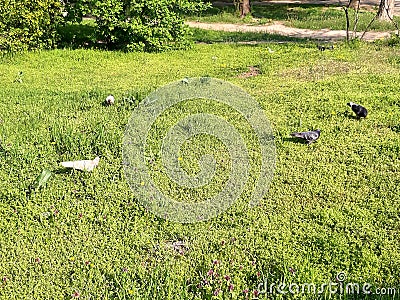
{"x": 295, "y": 15}
{"x": 332, "y": 206}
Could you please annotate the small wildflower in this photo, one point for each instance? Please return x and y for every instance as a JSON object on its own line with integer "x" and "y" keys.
{"x": 256, "y": 293}
{"x": 215, "y": 262}
{"x": 56, "y": 212}
{"x": 124, "y": 269}
{"x": 210, "y": 272}
{"x": 216, "y": 292}
{"x": 130, "y": 292}
{"x": 72, "y": 258}
{"x": 37, "y": 259}
{"x": 76, "y": 294}
{"x": 245, "y": 291}
{"x": 240, "y": 267}
{"x": 227, "y": 277}
{"x": 4, "y": 279}
{"x": 87, "y": 263}
{"x": 291, "y": 270}
{"x": 222, "y": 242}
{"x": 80, "y": 215}
{"x": 179, "y": 158}
{"x": 258, "y": 274}
{"x": 230, "y": 288}
{"x": 142, "y": 183}
{"x": 253, "y": 263}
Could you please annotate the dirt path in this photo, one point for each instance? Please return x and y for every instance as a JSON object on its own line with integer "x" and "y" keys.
{"x": 371, "y": 4}
{"x": 276, "y": 28}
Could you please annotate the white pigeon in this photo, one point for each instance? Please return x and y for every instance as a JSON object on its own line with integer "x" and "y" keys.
{"x": 110, "y": 100}
{"x": 84, "y": 165}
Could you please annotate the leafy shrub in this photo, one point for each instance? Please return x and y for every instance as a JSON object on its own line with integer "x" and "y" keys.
{"x": 143, "y": 25}
{"x": 29, "y": 24}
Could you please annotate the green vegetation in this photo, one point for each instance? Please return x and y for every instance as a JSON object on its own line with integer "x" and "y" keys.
{"x": 332, "y": 206}
{"x": 295, "y": 15}
{"x": 213, "y": 36}
{"x": 154, "y": 25}
{"x": 27, "y": 25}
{"x": 151, "y": 26}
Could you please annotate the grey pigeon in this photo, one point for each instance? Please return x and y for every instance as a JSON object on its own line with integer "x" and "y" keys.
{"x": 308, "y": 136}
{"x": 359, "y": 110}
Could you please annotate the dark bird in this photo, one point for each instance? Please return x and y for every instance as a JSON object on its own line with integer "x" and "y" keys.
{"x": 323, "y": 48}
{"x": 308, "y": 136}
{"x": 359, "y": 110}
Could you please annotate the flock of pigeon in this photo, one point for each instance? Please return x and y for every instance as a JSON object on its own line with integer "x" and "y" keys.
{"x": 312, "y": 136}
{"x": 308, "y": 136}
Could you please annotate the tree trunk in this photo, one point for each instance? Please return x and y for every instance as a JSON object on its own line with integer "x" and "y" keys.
{"x": 386, "y": 9}
{"x": 245, "y": 8}
{"x": 353, "y": 4}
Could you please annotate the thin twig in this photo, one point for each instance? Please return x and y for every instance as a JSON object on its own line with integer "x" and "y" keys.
{"x": 346, "y": 12}
{"x": 370, "y": 23}
{"x": 356, "y": 19}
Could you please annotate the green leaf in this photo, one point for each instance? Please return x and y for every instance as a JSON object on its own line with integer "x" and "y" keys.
{"x": 42, "y": 179}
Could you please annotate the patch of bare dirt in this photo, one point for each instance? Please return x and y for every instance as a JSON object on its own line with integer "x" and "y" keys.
{"x": 253, "y": 71}
{"x": 280, "y": 29}
{"x": 319, "y": 71}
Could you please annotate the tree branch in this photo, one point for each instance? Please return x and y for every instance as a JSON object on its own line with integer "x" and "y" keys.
{"x": 356, "y": 19}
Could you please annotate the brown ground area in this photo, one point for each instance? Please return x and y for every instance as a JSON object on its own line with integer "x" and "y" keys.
{"x": 279, "y": 28}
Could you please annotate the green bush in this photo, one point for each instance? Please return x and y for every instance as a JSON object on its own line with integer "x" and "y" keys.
{"x": 143, "y": 25}
{"x": 29, "y": 24}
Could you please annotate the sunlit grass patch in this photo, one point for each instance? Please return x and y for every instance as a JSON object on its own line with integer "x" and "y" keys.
{"x": 332, "y": 206}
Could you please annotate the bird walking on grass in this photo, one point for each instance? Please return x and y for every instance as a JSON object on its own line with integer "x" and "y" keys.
{"x": 110, "y": 100}
{"x": 360, "y": 111}
{"x": 308, "y": 136}
{"x": 323, "y": 48}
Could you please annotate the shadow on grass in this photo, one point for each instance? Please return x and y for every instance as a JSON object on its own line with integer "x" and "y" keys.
{"x": 294, "y": 140}
{"x": 213, "y": 36}
{"x": 62, "y": 170}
